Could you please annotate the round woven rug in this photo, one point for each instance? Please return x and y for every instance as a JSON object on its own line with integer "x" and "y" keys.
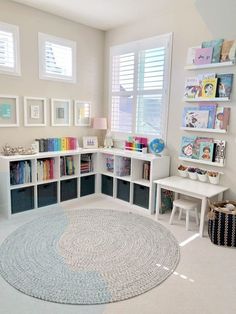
{"x": 88, "y": 256}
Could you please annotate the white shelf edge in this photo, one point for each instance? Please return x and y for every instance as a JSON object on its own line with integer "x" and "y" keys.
{"x": 200, "y": 99}
{"x": 125, "y": 178}
{"x": 87, "y": 174}
{"x": 210, "y": 163}
{"x": 107, "y": 173}
{"x": 67, "y": 177}
{"x": 19, "y": 186}
{"x": 209, "y": 65}
{"x": 46, "y": 181}
{"x": 203, "y": 130}
{"x": 142, "y": 182}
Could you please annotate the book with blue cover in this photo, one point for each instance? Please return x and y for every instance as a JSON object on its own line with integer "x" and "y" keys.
{"x": 224, "y": 85}
{"x": 195, "y": 118}
{"x": 216, "y": 45}
{"x": 186, "y": 149}
{"x": 206, "y": 151}
{"x": 212, "y": 113}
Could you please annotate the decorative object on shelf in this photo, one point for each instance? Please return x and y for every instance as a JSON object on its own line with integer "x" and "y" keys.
{"x": 108, "y": 142}
{"x": 82, "y": 113}
{"x": 156, "y": 146}
{"x": 34, "y": 111}
{"x": 192, "y": 172}
{"x": 214, "y": 177}
{"x": 9, "y": 111}
{"x": 222, "y": 222}
{"x": 90, "y": 142}
{"x": 183, "y": 171}
{"x": 8, "y": 150}
{"x": 202, "y": 175}
{"x": 60, "y": 112}
{"x": 136, "y": 143}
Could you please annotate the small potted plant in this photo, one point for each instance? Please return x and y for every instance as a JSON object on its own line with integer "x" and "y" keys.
{"x": 192, "y": 173}
{"x": 214, "y": 177}
{"x": 202, "y": 175}
{"x": 183, "y": 171}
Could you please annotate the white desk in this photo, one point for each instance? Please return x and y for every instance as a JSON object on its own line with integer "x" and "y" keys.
{"x": 197, "y": 189}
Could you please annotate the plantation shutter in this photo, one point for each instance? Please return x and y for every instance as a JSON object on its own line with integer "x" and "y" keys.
{"x": 9, "y": 50}
{"x": 139, "y": 86}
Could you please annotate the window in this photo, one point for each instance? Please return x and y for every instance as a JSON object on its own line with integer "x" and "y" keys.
{"x": 9, "y": 49}
{"x": 57, "y": 58}
{"x": 139, "y": 86}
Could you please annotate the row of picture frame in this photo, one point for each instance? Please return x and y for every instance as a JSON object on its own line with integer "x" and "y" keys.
{"x": 35, "y": 112}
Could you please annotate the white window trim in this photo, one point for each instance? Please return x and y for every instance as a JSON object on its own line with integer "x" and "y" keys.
{"x": 14, "y": 29}
{"x": 129, "y": 48}
{"x": 42, "y": 38}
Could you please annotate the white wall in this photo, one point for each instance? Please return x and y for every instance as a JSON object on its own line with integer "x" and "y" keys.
{"x": 190, "y": 24}
{"x": 90, "y": 57}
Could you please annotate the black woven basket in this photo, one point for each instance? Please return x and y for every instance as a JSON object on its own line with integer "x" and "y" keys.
{"x": 222, "y": 224}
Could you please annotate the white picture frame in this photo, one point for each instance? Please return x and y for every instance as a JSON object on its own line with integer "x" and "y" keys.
{"x": 82, "y": 113}
{"x": 60, "y": 112}
{"x": 9, "y": 111}
{"x": 90, "y": 142}
{"x": 35, "y": 111}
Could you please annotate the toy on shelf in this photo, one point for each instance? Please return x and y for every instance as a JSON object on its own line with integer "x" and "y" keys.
{"x": 136, "y": 143}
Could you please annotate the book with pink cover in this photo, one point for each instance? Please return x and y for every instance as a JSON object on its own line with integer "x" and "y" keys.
{"x": 203, "y": 55}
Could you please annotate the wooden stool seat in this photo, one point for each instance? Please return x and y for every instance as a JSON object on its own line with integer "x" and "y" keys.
{"x": 187, "y": 205}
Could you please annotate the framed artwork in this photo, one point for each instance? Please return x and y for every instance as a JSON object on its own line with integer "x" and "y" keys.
{"x": 9, "y": 111}
{"x": 90, "y": 142}
{"x": 60, "y": 112}
{"x": 82, "y": 113}
{"x": 34, "y": 111}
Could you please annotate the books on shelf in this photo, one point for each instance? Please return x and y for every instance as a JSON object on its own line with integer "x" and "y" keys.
{"x": 67, "y": 166}
{"x": 190, "y": 60}
{"x": 45, "y": 169}
{"x": 203, "y": 148}
{"x": 224, "y": 87}
{"x": 228, "y": 51}
{"x": 20, "y": 172}
{"x": 123, "y": 166}
{"x": 57, "y": 144}
{"x": 209, "y": 87}
{"x": 86, "y": 163}
{"x": 146, "y": 170}
{"x": 109, "y": 163}
{"x": 206, "y": 116}
{"x": 216, "y": 45}
{"x": 203, "y": 55}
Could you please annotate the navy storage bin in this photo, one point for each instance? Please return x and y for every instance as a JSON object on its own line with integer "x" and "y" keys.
{"x": 47, "y": 194}
{"x": 123, "y": 190}
{"x": 107, "y": 185}
{"x": 141, "y": 195}
{"x": 68, "y": 189}
{"x": 22, "y": 199}
{"x": 87, "y": 185}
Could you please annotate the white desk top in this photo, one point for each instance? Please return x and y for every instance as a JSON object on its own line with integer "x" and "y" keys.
{"x": 190, "y": 186}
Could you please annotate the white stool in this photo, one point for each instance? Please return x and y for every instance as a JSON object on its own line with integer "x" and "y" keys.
{"x": 186, "y": 205}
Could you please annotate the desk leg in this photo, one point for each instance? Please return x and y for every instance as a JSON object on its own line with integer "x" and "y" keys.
{"x": 220, "y": 196}
{"x": 158, "y": 201}
{"x": 202, "y": 219}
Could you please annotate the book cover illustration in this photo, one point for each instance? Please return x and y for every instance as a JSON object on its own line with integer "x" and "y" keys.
{"x": 216, "y": 45}
{"x": 212, "y": 113}
{"x": 191, "y": 87}
{"x": 209, "y": 87}
{"x": 219, "y": 151}
{"x": 224, "y": 86}
{"x": 222, "y": 118}
{"x": 185, "y": 110}
{"x": 196, "y": 119}
{"x": 196, "y": 145}
{"x": 228, "y": 51}
{"x": 186, "y": 149}
{"x": 191, "y": 55}
{"x": 206, "y": 151}
{"x": 203, "y": 55}
{"x": 201, "y": 77}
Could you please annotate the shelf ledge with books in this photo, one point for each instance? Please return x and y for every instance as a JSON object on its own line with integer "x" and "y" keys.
{"x": 210, "y": 163}
{"x": 199, "y": 99}
{"x": 204, "y": 130}
{"x": 209, "y": 65}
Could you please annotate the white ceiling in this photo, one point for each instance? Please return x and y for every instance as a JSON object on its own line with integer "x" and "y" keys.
{"x": 105, "y": 14}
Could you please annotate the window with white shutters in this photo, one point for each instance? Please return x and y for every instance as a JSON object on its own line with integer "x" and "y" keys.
{"x": 139, "y": 86}
{"x": 57, "y": 58}
{"x": 9, "y": 49}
